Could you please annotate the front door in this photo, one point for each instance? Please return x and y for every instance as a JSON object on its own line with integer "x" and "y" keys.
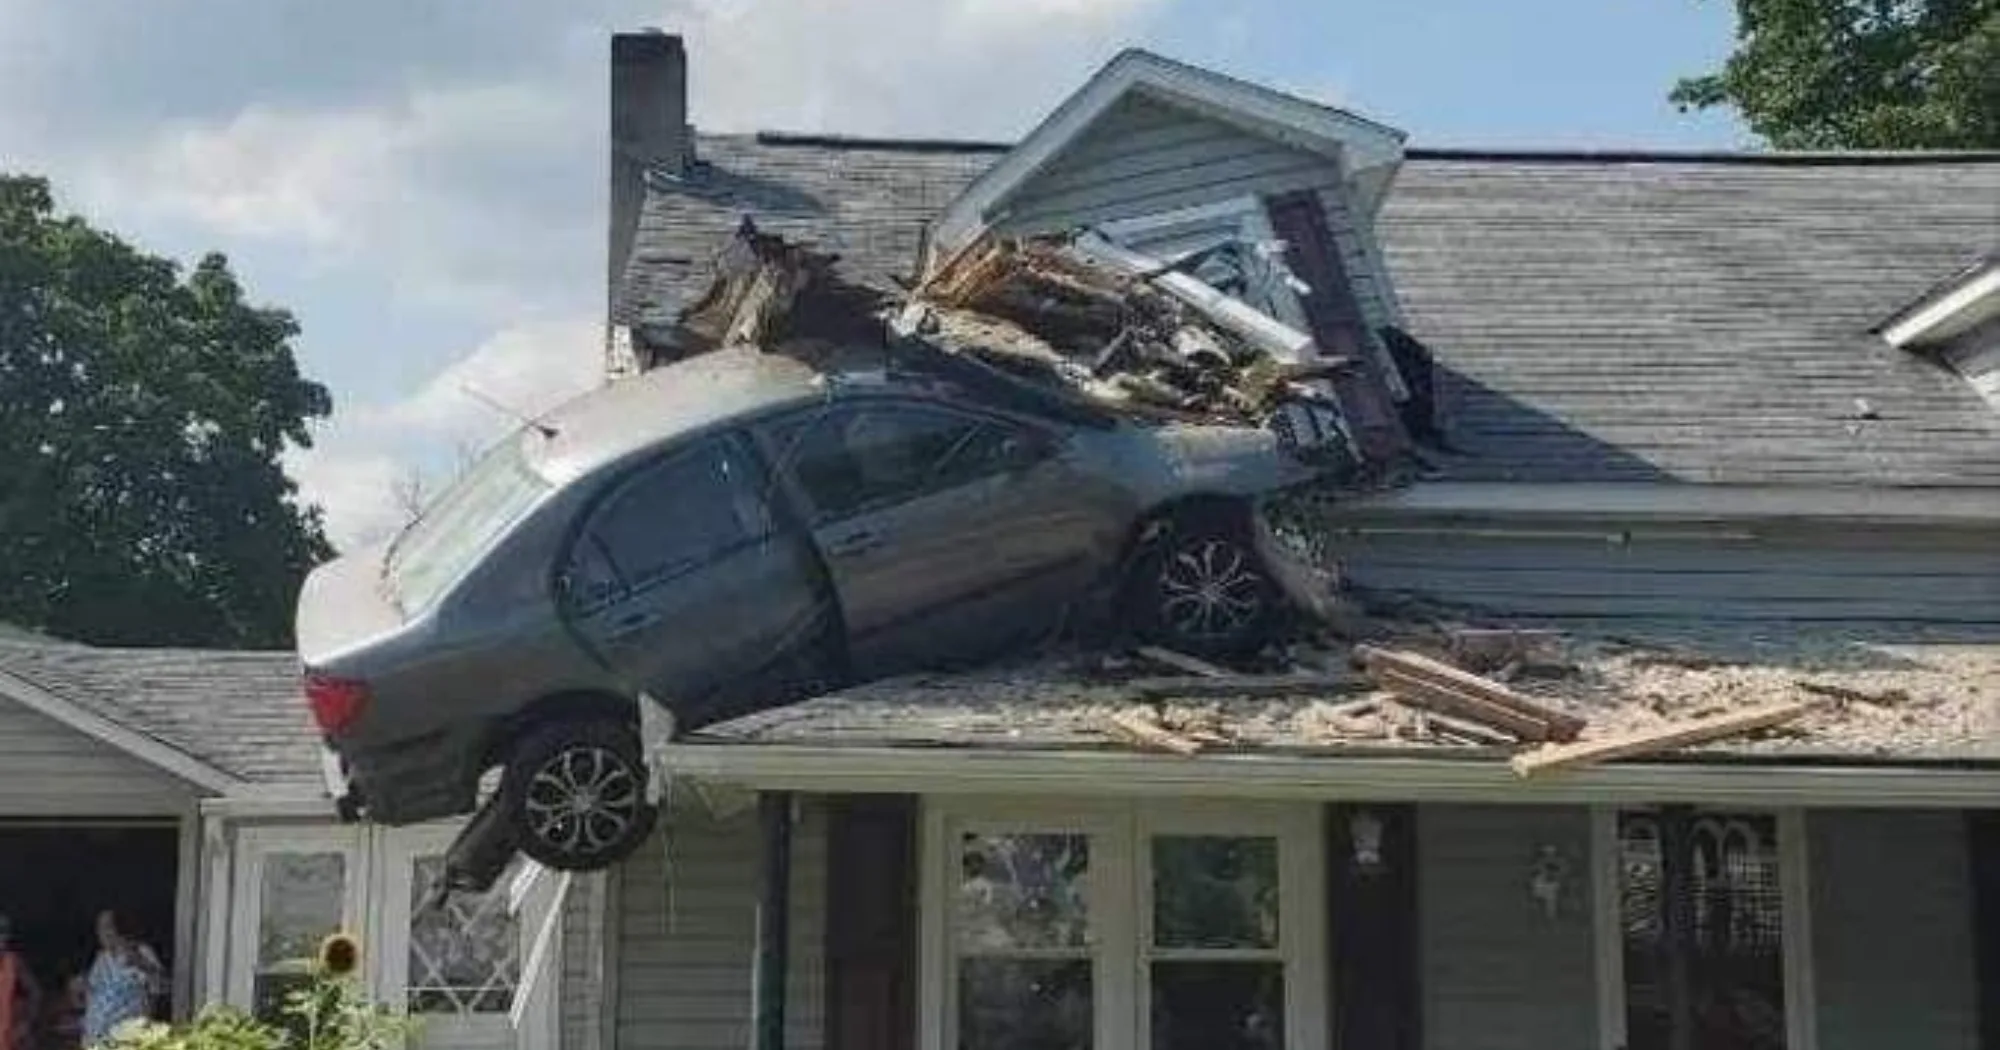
{"x": 458, "y": 968}
{"x": 683, "y": 582}
{"x": 946, "y": 532}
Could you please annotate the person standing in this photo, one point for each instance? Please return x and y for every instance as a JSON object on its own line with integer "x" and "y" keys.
{"x": 122, "y": 982}
{"x": 20, "y": 996}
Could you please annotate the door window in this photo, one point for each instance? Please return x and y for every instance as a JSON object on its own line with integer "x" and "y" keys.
{"x": 854, "y": 459}
{"x": 301, "y": 901}
{"x": 676, "y": 516}
{"x": 465, "y": 957}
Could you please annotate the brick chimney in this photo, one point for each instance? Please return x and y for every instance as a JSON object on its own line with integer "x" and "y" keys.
{"x": 649, "y": 131}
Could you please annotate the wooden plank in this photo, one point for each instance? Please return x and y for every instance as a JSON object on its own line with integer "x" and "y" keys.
{"x": 1244, "y": 685}
{"x": 1433, "y": 696}
{"x": 1181, "y": 661}
{"x": 1561, "y": 724}
{"x": 1655, "y": 739}
{"x": 1137, "y": 729}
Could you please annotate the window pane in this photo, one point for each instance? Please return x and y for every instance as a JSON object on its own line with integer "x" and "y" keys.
{"x": 439, "y": 546}
{"x": 848, "y": 460}
{"x": 465, "y": 957}
{"x": 300, "y": 902}
{"x": 679, "y": 515}
{"x": 1023, "y": 891}
{"x": 1218, "y": 1006}
{"x": 1215, "y": 892}
{"x": 1022, "y": 1004}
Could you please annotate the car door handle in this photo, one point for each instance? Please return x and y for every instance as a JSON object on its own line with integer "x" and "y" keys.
{"x": 855, "y": 543}
{"x": 633, "y": 623}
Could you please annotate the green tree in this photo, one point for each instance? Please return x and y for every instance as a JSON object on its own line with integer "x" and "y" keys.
{"x": 142, "y": 414}
{"x": 1861, "y": 74}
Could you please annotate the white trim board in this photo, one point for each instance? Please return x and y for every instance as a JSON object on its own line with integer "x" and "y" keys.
{"x": 1104, "y": 774}
{"x": 1685, "y": 502}
{"x": 1956, "y": 311}
{"x": 1357, "y": 144}
{"x": 124, "y": 738}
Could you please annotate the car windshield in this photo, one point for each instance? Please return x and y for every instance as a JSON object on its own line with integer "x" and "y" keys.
{"x": 437, "y": 548}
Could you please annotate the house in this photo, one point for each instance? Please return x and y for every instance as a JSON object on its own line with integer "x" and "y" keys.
{"x": 1724, "y": 420}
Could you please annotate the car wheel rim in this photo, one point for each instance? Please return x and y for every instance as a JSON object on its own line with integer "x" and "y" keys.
{"x": 1209, "y": 590}
{"x": 583, "y": 800}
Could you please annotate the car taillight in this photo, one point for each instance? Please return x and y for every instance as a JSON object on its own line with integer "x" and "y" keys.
{"x": 336, "y": 702}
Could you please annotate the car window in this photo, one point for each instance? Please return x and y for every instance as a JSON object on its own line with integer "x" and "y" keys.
{"x": 440, "y": 546}
{"x": 857, "y": 458}
{"x": 671, "y": 518}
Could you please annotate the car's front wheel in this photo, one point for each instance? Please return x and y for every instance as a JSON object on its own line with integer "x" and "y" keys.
{"x": 1203, "y": 587}
{"x": 576, "y": 795}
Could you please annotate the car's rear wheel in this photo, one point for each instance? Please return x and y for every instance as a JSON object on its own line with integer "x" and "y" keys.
{"x": 576, "y": 794}
{"x": 1203, "y": 587}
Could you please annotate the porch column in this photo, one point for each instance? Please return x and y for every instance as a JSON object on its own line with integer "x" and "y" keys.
{"x": 767, "y": 1003}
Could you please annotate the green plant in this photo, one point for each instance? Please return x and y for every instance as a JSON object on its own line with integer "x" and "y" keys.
{"x": 331, "y": 1013}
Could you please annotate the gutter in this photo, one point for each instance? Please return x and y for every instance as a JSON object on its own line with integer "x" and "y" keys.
{"x": 1477, "y": 779}
{"x": 1678, "y": 502}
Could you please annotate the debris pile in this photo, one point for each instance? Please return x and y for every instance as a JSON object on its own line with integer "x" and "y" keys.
{"x": 1077, "y": 322}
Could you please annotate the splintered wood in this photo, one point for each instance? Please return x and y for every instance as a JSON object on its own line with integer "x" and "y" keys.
{"x": 1440, "y": 687}
{"x": 1659, "y": 738}
{"x": 1141, "y": 726}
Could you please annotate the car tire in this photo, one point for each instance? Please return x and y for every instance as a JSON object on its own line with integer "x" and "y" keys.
{"x": 1202, "y": 588}
{"x": 575, "y": 793}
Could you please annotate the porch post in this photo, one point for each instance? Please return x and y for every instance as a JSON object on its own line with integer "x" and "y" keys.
{"x": 774, "y": 818}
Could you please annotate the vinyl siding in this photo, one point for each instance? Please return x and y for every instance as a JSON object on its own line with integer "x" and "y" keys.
{"x": 49, "y": 769}
{"x": 1976, "y": 356}
{"x": 688, "y": 934}
{"x": 1892, "y": 949}
{"x": 1144, "y": 157}
{"x": 1859, "y": 576}
{"x": 1497, "y": 973}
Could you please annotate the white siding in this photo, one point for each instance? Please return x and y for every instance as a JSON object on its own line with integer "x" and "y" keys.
{"x": 1976, "y": 356}
{"x": 1497, "y": 972}
{"x": 1858, "y": 576}
{"x": 583, "y": 994}
{"x": 1144, "y": 157}
{"x": 49, "y": 769}
{"x": 1892, "y": 945}
{"x": 688, "y": 935}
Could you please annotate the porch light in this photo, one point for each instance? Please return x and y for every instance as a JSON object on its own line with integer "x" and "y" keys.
{"x": 1546, "y": 878}
{"x": 1365, "y": 830}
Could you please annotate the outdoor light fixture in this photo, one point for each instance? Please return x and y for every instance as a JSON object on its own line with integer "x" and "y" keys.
{"x": 1365, "y": 829}
{"x": 1545, "y": 880}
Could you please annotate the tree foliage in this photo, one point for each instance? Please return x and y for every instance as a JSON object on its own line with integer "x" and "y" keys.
{"x": 142, "y": 414}
{"x": 1862, "y": 74}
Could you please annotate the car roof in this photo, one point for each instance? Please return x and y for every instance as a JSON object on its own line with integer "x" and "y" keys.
{"x": 638, "y": 413}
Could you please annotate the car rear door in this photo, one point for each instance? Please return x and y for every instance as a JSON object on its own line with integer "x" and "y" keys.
{"x": 948, "y": 533}
{"x": 685, "y": 584}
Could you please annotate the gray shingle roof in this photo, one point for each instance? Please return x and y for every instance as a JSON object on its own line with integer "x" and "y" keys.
{"x": 1596, "y": 318}
{"x": 240, "y": 712}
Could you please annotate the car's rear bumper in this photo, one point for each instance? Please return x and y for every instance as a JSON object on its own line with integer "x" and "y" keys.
{"x": 425, "y": 778}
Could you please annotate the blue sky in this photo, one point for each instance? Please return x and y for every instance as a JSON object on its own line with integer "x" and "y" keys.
{"x": 422, "y": 182}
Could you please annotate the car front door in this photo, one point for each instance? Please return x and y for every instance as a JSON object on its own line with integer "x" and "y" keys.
{"x": 948, "y": 534}
{"x": 686, "y": 584}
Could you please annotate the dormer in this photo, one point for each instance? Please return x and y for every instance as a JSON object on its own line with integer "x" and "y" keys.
{"x": 1957, "y": 324}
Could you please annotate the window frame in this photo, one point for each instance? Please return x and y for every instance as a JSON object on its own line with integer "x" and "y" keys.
{"x": 1121, "y": 902}
{"x": 1794, "y": 887}
{"x": 800, "y": 497}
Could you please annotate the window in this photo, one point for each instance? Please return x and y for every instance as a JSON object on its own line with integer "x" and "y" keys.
{"x": 849, "y": 460}
{"x": 1126, "y": 927}
{"x": 437, "y": 548}
{"x": 1703, "y": 914}
{"x": 465, "y": 957}
{"x": 692, "y": 508}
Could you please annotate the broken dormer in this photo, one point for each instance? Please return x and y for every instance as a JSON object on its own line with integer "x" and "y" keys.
{"x": 1957, "y": 324}
{"x": 1268, "y": 197}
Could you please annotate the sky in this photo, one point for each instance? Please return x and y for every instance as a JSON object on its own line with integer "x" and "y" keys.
{"x": 422, "y": 181}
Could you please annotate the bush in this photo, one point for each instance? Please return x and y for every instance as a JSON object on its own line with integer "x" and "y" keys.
{"x": 329, "y": 1014}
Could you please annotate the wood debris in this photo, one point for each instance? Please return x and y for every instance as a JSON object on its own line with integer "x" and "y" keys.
{"x": 1882, "y": 698}
{"x": 1141, "y": 726}
{"x": 1654, "y": 739}
{"x": 1420, "y": 680}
